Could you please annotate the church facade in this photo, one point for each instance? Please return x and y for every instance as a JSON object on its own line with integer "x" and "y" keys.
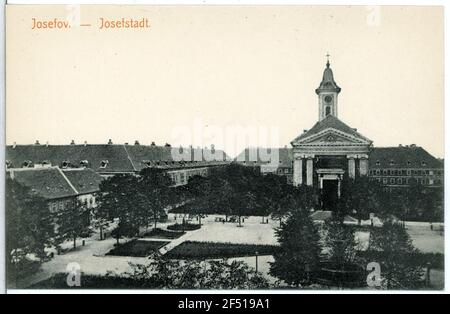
{"x": 330, "y": 150}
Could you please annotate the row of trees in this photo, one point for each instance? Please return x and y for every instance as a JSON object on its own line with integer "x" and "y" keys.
{"x": 362, "y": 196}
{"x": 306, "y": 247}
{"x": 240, "y": 191}
{"x": 135, "y": 201}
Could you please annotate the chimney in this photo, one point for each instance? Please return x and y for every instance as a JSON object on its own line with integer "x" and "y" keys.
{"x": 153, "y": 144}
{"x": 126, "y": 143}
{"x": 14, "y": 145}
{"x": 136, "y": 142}
{"x": 305, "y": 130}
{"x": 400, "y": 145}
{"x": 72, "y": 142}
{"x": 167, "y": 145}
{"x": 85, "y": 143}
{"x": 110, "y": 142}
{"x": 37, "y": 142}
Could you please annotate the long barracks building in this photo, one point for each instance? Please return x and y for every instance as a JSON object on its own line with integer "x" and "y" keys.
{"x": 110, "y": 159}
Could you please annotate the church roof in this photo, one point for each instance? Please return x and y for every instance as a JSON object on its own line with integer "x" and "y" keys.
{"x": 328, "y": 83}
{"x": 330, "y": 121}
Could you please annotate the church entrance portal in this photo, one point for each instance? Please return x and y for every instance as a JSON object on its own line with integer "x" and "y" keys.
{"x": 329, "y": 194}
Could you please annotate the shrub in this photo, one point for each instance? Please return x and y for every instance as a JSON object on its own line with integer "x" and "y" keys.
{"x": 163, "y": 234}
{"x": 137, "y": 248}
{"x": 183, "y": 227}
{"x": 210, "y": 250}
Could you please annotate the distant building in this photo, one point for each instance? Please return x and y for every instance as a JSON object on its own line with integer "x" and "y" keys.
{"x": 110, "y": 159}
{"x": 263, "y": 158}
{"x": 59, "y": 187}
{"x": 403, "y": 165}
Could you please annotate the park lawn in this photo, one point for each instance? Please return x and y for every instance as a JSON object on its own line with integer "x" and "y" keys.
{"x": 163, "y": 234}
{"x": 137, "y": 248}
{"x": 212, "y": 250}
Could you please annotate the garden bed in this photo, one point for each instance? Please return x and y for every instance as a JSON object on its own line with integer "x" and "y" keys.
{"x": 137, "y": 248}
{"x": 184, "y": 227}
{"x": 212, "y": 250}
{"x": 163, "y": 234}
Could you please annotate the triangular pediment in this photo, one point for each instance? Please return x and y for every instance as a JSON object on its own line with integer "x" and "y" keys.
{"x": 332, "y": 136}
{"x": 331, "y": 131}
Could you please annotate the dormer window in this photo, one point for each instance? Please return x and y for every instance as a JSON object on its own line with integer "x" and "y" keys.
{"x": 104, "y": 163}
{"x": 391, "y": 163}
{"x": 84, "y": 163}
{"x": 148, "y": 163}
{"x": 424, "y": 163}
{"x": 377, "y": 163}
{"x": 65, "y": 164}
{"x": 27, "y": 164}
{"x": 408, "y": 163}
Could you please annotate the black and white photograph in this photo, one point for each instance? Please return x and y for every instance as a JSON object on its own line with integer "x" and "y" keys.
{"x": 242, "y": 147}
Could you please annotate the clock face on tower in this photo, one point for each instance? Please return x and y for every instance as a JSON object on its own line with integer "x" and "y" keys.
{"x": 328, "y": 98}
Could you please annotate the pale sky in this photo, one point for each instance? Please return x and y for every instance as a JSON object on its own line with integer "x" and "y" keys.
{"x": 225, "y": 67}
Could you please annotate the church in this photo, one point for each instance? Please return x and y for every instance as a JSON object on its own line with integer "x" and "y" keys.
{"x": 324, "y": 154}
{"x": 331, "y": 150}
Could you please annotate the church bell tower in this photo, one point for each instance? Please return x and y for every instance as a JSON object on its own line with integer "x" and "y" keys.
{"x": 328, "y": 94}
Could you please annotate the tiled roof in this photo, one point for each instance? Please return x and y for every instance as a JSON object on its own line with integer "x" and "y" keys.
{"x": 402, "y": 157}
{"x": 115, "y": 156}
{"x": 258, "y": 156}
{"x": 46, "y": 182}
{"x": 107, "y": 158}
{"x": 84, "y": 180}
{"x": 330, "y": 121}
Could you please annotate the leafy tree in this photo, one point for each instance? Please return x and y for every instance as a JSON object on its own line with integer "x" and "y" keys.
{"x": 120, "y": 199}
{"x": 101, "y": 215}
{"x": 72, "y": 221}
{"x": 285, "y": 206}
{"x": 156, "y": 192}
{"x": 393, "y": 247}
{"x": 297, "y": 261}
{"x": 30, "y": 226}
{"x": 360, "y": 197}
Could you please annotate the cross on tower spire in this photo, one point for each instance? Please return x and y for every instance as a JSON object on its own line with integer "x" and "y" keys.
{"x": 328, "y": 59}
